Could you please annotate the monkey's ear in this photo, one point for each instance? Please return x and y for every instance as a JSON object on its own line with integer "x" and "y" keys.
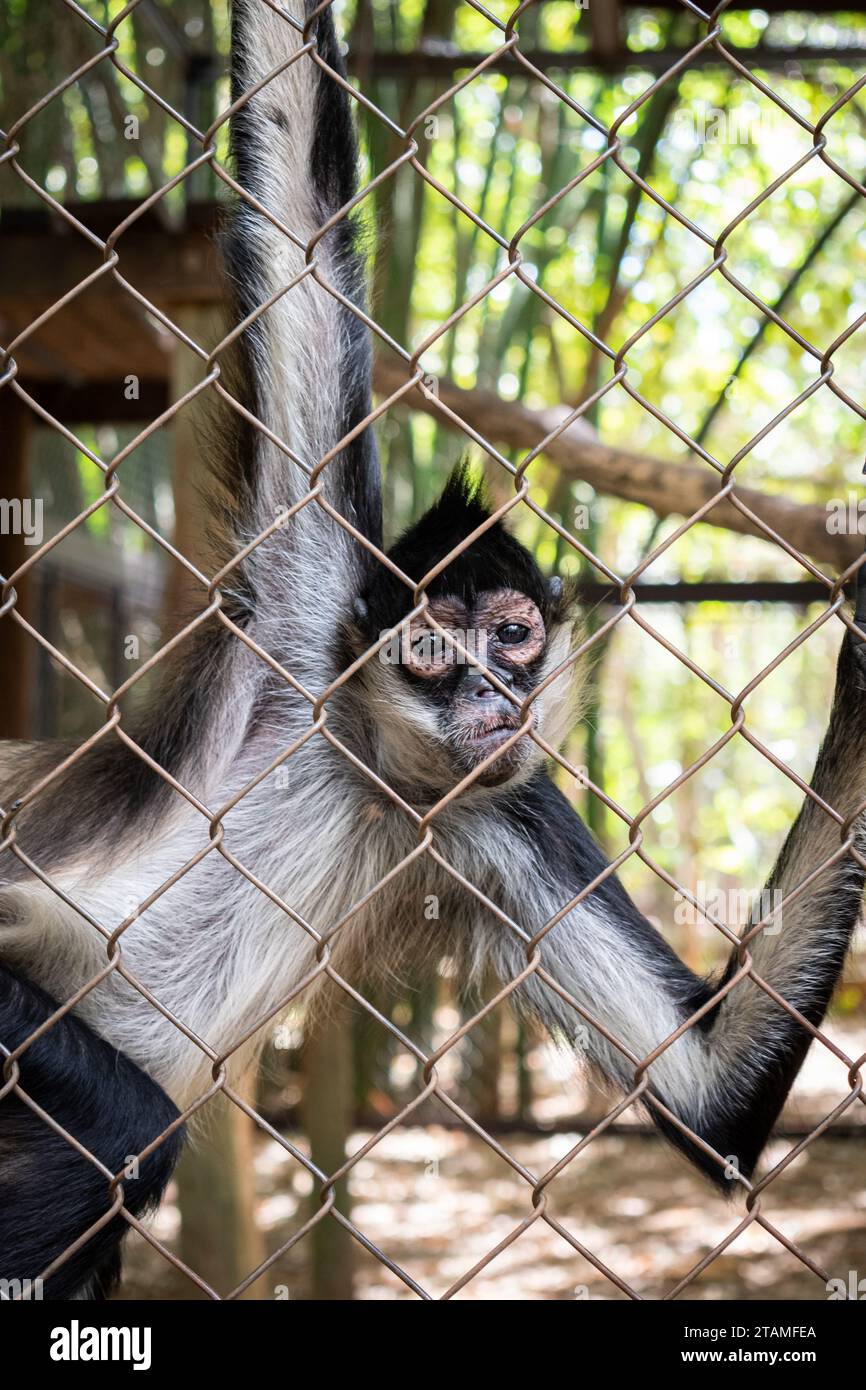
{"x": 562, "y": 598}
{"x": 361, "y": 611}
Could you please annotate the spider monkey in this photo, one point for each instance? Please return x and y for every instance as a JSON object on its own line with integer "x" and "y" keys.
{"x": 222, "y": 951}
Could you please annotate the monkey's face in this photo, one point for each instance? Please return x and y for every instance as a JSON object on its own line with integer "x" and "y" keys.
{"x": 439, "y": 716}
{"x": 467, "y": 681}
{"x": 479, "y": 712}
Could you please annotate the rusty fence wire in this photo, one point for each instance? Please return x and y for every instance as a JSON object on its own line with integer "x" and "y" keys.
{"x": 708, "y": 41}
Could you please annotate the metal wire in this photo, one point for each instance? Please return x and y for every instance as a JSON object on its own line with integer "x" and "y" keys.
{"x": 709, "y": 42}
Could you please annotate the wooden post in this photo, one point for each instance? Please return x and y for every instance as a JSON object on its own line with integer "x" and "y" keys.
{"x": 189, "y": 471}
{"x": 328, "y": 1104}
{"x": 219, "y": 1237}
{"x": 17, "y": 650}
{"x": 485, "y": 1059}
{"x": 604, "y": 21}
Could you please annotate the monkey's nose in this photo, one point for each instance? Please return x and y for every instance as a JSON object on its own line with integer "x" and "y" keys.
{"x": 478, "y": 687}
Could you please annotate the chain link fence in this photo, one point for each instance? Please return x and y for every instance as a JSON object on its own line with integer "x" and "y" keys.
{"x": 708, "y": 43}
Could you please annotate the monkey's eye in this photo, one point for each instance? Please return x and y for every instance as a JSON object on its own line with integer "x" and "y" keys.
{"x": 512, "y": 634}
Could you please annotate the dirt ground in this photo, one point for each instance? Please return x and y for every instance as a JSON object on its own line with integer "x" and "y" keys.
{"x": 437, "y": 1200}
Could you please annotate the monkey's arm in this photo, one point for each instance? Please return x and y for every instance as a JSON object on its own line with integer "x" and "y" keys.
{"x": 306, "y": 356}
{"x": 728, "y": 1076}
{"x": 756, "y": 1046}
{"x": 301, "y": 369}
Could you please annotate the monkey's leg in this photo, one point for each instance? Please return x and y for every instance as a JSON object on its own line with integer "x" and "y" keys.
{"x": 49, "y": 1193}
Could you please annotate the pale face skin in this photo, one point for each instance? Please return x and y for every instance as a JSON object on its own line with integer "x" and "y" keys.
{"x": 505, "y": 631}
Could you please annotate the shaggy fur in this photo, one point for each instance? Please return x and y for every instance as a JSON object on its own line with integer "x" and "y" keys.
{"x": 318, "y": 833}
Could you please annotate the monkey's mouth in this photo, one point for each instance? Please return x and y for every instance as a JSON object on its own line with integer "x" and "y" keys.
{"x": 487, "y": 737}
{"x": 492, "y": 734}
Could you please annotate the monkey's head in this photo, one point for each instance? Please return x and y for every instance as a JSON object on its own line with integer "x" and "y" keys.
{"x": 437, "y": 715}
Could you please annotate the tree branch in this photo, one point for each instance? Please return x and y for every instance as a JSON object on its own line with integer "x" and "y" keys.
{"x": 669, "y": 489}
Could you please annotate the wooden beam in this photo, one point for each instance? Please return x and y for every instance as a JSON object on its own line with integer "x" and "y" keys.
{"x": 668, "y": 488}
{"x": 763, "y": 57}
{"x": 771, "y": 7}
{"x": 103, "y": 333}
{"x": 41, "y": 258}
{"x": 104, "y": 338}
{"x": 100, "y": 402}
{"x": 799, "y": 593}
{"x": 17, "y": 652}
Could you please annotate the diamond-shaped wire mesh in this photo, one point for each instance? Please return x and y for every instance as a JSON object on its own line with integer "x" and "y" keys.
{"x": 708, "y": 39}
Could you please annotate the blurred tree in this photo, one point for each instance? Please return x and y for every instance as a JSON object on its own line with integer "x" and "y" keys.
{"x": 328, "y": 1112}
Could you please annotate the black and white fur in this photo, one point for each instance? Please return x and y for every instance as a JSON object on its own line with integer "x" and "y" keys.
{"x": 218, "y": 952}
